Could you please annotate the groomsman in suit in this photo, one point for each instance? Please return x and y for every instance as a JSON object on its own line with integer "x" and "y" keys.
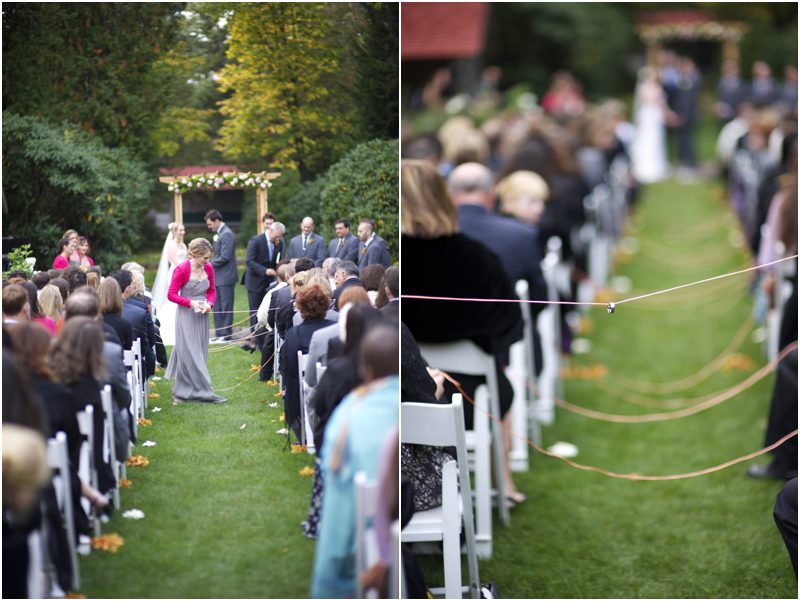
{"x": 307, "y": 244}
{"x": 371, "y": 248}
{"x": 345, "y": 245}
{"x": 263, "y": 253}
{"x": 225, "y": 273}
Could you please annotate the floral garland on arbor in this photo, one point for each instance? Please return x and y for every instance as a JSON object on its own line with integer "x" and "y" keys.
{"x": 217, "y": 180}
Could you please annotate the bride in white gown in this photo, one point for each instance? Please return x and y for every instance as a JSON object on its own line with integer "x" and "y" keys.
{"x": 173, "y": 253}
{"x": 649, "y": 148}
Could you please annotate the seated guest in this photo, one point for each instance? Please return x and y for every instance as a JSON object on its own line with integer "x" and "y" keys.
{"x": 110, "y": 298}
{"x": 353, "y": 295}
{"x": 355, "y": 436}
{"x": 139, "y": 317}
{"x": 36, "y": 311}
{"x": 51, "y": 305}
{"x": 346, "y": 276}
{"x": 430, "y": 229}
{"x": 329, "y": 266}
{"x": 75, "y": 277}
{"x": 391, "y": 291}
{"x": 313, "y": 303}
{"x": 284, "y": 272}
{"x": 317, "y": 278}
{"x": 341, "y": 377}
{"x": 40, "y": 279}
{"x": 371, "y": 279}
{"x": 63, "y": 287}
{"x": 16, "y": 304}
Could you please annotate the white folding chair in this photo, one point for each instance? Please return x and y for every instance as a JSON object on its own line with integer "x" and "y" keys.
{"x": 366, "y": 543}
{"x": 134, "y": 400}
{"x": 443, "y": 426}
{"x": 137, "y": 355}
{"x": 276, "y": 364}
{"x": 87, "y": 469}
{"x": 320, "y": 371}
{"x": 521, "y": 373}
{"x": 58, "y": 459}
{"x": 109, "y": 440}
{"x": 486, "y": 440}
{"x": 549, "y": 328}
{"x": 306, "y": 432}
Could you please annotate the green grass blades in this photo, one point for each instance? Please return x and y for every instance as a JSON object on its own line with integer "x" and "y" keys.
{"x": 222, "y": 498}
{"x": 585, "y": 535}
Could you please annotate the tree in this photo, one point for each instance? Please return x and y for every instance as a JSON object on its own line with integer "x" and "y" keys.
{"x": 90, "y": 64}
{"x": 364, "y": 185}
{"x": 290, "y": 104}
{"x": 64, "y": 177}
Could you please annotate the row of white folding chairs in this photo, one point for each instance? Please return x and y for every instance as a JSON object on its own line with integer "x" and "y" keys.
{"x": 443, "y": 426}
{"x": 137, "y": 383}
{"x": 485, "y": 442}
{"x": 367, "y": 552}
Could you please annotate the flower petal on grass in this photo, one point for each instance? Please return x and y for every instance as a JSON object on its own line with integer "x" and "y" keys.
{"x": 108, "y": 542}
{"x": 143, "y": 421}
{"x": 152, "y": 384}
{"x": 272, "y": 405}
{"x": 155, "y": 378}
{"x": 148, "y": 443}
{"x": 296, "y": 448}
{"x": 156, "y": 409}
{"x": 153, "y": 395}
{"x": 243, "y": 426}
{"x": 125, "y": 483}
{"x": 134, "y": 514}
{"x": 282, "y": 431}
{"x": 306, "y": 471}
{"x": 137, "y": 461}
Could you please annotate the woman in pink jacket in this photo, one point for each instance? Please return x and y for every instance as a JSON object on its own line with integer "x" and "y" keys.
{"x": 192, "y": 289}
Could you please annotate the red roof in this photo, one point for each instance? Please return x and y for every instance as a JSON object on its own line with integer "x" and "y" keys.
{"x": 668, "y": 17}
{"x": 435, "y": 30}
{"x": 195, "y": 169}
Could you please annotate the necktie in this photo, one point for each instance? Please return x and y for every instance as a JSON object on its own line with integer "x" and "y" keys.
{"x": 304, "y": 241}
{"x": 271, "y": 248}
{"x": 341, "y": 242}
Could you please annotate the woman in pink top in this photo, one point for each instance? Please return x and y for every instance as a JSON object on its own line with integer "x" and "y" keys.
{"x": 83, "y": 250}
{"x": 192, "y": 289}
{"x": 62, "y": 254}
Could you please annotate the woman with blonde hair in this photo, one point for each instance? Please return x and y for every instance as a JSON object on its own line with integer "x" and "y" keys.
{"x": 192, "y": 290}
{"x": 110, "y": 298}
{"x": 51, "y": 304}
{"x": 429, "y": 229}
{"x": 523, "y": 195}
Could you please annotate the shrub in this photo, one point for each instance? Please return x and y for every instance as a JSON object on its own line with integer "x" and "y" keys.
{"x": 364, "y": 184}
{"x": 58, "y": 177}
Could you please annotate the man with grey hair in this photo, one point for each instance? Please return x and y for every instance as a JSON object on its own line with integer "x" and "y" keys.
{"x": 308, "y": 244}
{"x": 329, "y": 266}
{"x": 263, "y": 253}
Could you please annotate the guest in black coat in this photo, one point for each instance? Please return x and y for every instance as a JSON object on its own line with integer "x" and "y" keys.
{"x": 313, "y": 303}
{"x": 430, "y": 239}
{"x": 110, "y": 297}
{"x": 139, "y": 317}
{"x": 346, "y": 275}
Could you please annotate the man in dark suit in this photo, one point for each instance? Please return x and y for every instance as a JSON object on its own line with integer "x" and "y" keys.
{"x": 307, "y": 244}
{"x": 346, "y": 275}
{"x": 371, "y": 248}
{"x": 136, "y": 313}
{"x": 263, "y": 253}
{"x": 391, "y": 285}
{"x": 516, "y": 244}
{"x": 685, "y": 104}
{"x": 345, "y": 245}
{"x": 225, "y": 273}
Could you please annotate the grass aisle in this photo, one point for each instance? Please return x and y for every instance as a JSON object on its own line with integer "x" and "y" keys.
{"x": 585, "y": 535}
{"x": 222, "y": 497}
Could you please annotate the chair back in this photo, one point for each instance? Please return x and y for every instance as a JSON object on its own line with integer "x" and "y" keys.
{"x": 306, "y": 432}
{"x": 109, "y": 438}
{"x": 88, "y": 466}
{"x": 367, "y": 553}
{"x": 58, "y": 459}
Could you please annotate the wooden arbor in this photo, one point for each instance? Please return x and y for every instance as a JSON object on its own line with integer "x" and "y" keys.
{"x": 217, "y": 180}
{"x": 656, "y": 27}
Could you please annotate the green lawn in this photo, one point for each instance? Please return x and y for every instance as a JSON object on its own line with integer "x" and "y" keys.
{"x": 585, "y": 535}
{"x": 222, "y": 497}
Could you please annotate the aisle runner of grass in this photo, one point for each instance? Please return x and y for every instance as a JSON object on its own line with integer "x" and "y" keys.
{"x": 222, "y": 498}
{"x": 584, "y": 535}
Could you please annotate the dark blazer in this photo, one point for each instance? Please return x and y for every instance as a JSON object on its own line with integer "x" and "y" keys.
{"x": 142, "y": 327}
{"x": 338, "y": 292}
{"x": 391, "y": 310}
{"x": 298, "y": 338}
{"x": 315, "y": 248}
{"x": 224, "y": 261}
{"x": 122, "y": 328}
{"x": 348, "y": 251}
{"x": 514, "y": 243}
{"x": 280, "y": 299}
{"x": 258, "y": 261}
{"x": 376, "y": 252}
